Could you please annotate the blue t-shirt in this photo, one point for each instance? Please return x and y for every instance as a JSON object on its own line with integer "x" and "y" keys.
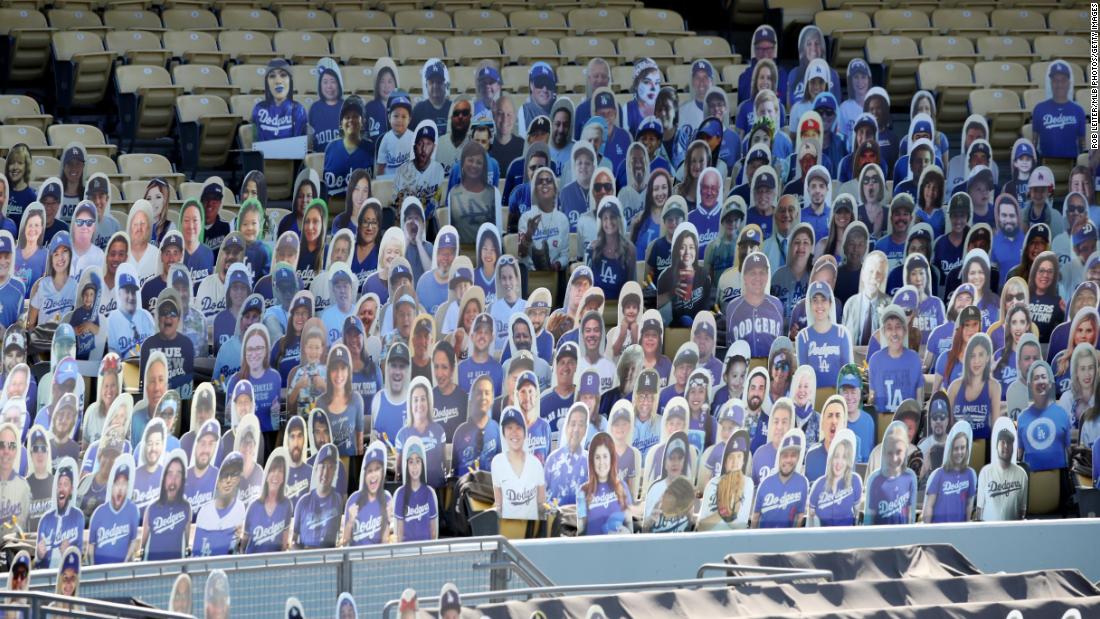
{"x": 554, "y": 407}
{"x": 780, "y": 503}
{"x": 265, "y": 390}
{"x": 11, "y": 302}
{"x": 465, "y": 449}
{"x": 603, "y": 514}
{"x": 265, "y": 532}
{"x": 449, "y": 410}
{"x": 391, "y": 416}
{"x": 836, "y": 508}
{"x": 537, "y": 442}
{"x": 30, "y": 270}
{"x": 339, "y": 164}
{"x": 864, "y": 429}
{"x": 168, "y": 525}
{"x": 199, "y": 490}
{"x": 1044, "y": 437}
{"x": 416, "y": 509}
{"x": 706, "y": 224}
{"x": 1060, "y": 127}
{"x": 573, "y": 202}
{"x": 111, "y": 532}
{"x": 611, "y": 275}
{"x": 274, "y": 121}
{"x": 763, "y": 462}
{"x": 346, "y": 424}
{"x": 367, "y": 530}
{"x": 825, "y": 352}
{"x": 953, "y": 491}
{"x": 469, "y": 371}
{"x": 565, "y": 472}
{"x": 895, "y": 380}
{"x": 891, "y": 500}
{"x": 324, "y": 119}
{"x": 317, "y": 520}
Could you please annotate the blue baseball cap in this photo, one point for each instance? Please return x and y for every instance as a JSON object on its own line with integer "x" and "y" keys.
{"x": 85, "y": 206}
{"x": 243, "y": 387}
{"x": 352, "y": 324}
{"x": 172, "y": 239}
{"x": 238, "y": 276}
{"x": 849, "y": 379}
{"x": 61, "y": 239}
{"x": 327, "y": 453}
{"x": 64, "y": 335}
{"x": 376, "y": 452}
{"x": 461, "y": 275}
{"x": 435, "y": 70}
{"x": 6, "y": 244}
{"x": 342, "y": 274}
{"x": 906, "y": 299}
{"x": 966, "y": 288}
{"x": 66, "y": 371}
{"x": 755, "y": 260}
{"x": 71, "y": 561}
{"x": 566, "y": 349}
{"x": 820, "y": 288}
{"x": 427, "y": 131}
{"x": 1058, "y": 68}
{"x": 126, "y": 280}
{"x": 921, "y": 126}
{"x": 399, "y": 99}
{"x": 751, "y": 235}
{"x": 542, "y": 76}
{"x": 604, "y": 101}
{"x": 649, "y": 124}
{"x": 512, "y": 415}
{"x": 1086, "y": 233}
{"x": 792, "y": 441}
{"x": 702, "y": 65}
{"x": 448, "y": 240}
{"x": 209, "y": 427}
{"x": 732, "y": 411}
{"x": 590, "y": 383}
{"x": 180, "y": 277}
{"x": 339, "y": 354}
{"x": 233, "y": 465}
{"x": 711, "y": 127}
{"x": 825, "y": 101}
{"x": 400, "y": 270}
{"x": 301, "y": 301}
{"x": 582, "y": 271}
{"x": 254, "y": 303}
{"x": 739, "y": 443}
{"x": 233, "y": 240}
{"x": 527, "y": 377}
{"x": 1023, "y": 149}
{"x": 488, "y": 73}
{"x": 705, "y": 327}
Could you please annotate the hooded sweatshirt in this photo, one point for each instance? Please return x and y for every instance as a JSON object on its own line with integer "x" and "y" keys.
{"x": 324, "y": 116}
{"x": 274, "y": 121}
{"x": 377, "y": 119}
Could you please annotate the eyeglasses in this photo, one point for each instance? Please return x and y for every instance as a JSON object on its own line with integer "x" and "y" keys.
{"x": 461, "y": 113}
{"x": 544, "y": 180}
{"x": 83, "y": 222}
{"x": 39, "y": 449}
{"x": 169, "y": 313}
{"x": 603, "y": 187}
{"x": 9, "y": 445}
{"x": 870, "y": 180}
{"x": 1075, "y": 209}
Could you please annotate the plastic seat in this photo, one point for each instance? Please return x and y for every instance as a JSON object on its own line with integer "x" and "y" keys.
{"x": 195, "y": 47}
{"x": 28, "y": 36}
{"x": 146, "y": 100}
{"x": 409, "y": 47}
{"x": 424, "y": 22}
{"x": 1033, "y": 97}
{"x": 656, "y": 22}
{"x": 121, "y": 19}
{"x": 304, "y": 77}
{"x": 957, "y": 49}
{"x": 571, "y": 78}
{"x": 715, "y": 49}
{"x": 1044, "y": 492}
{"x": 581, "y": 49}
{"x": 795, "y": 13}
{"x": 904, "y": 22}
{"x": 1038, "y": 73}
{"x": 301, "y": 47}
{"x": 952, "y": 81}
{"x": 607, "y": 22}
{"x": 246, "y": 46}
{"x": 76, "y": 19}
{"x": 359, "y": 79}
{"x": 359, "y": 47}
{"x": 94, "y": 164}
{"x": 364, "y": 20}
{"x": 731, "y": 75}
{"x": 679, "y": 76}
{"x": 1002, "y": 109}
{"x": 901, "y": 59}
{"x": 994, "y": 74}
{"x": 43, "y": 167}
{"x": 969, "y": 22}
{"x": 1019, "y": 22}
{"x": 482, "y": 22}
{"x": 529, "y": 49}
{"x": 1010, "y": 49}
{"x": 846, "y": 33}
{"x": 633, "y": 48}
{"x": 89, "y": 135}
{"x": 203, "y": 79}
{"x": 538, "y": 23}
{"x": 470, "y": 50}
{"x": 256, "y": 20}
{"x": 10, "y": 135}
{"x": 138, "y": 47}
{"x": 464, "y": 79}
{"x": 1065, "y": 47}
{"x": 190, "y": 19}
{"x": 207, "y": 130}
{"x": 1068, "y": 21}
{"x": 241, "y": 105}
{"x": 82, "y": 67}
{"x": 248, "y": 78}
{"x": 308, "y": 20}
{"x": 145, "y": 166}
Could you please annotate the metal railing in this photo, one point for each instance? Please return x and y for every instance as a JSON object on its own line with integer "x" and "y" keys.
{"x": 40, "y": 604}
{"x": 759, "y": 575}
{"x": 261, "y": 583}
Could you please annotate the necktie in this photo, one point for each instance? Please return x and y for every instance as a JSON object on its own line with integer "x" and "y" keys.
{"x": 865, "y": 335}
{"x": 783, "y": 251}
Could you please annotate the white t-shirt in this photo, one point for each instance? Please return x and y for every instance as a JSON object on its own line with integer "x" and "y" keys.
{"x": 603, "y": 366}
{"x": 394, "y": 151}
{"x": 519, "y": 494}
{"x": 710, "y": 505}
{"x": 149, "y": 266}
{"x": 1002, "y": 492}
{"x": 502, "y": 314}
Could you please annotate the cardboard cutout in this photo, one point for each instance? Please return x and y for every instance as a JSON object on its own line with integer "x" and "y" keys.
{"x": 836, "y": 496}
{"x": 781, "y": 498}
{"x": 670, "y": 500}
{"x": 892, "y": 489}
{"x": 727, "y": 499}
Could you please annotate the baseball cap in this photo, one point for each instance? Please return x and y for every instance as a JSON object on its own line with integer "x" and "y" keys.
{"x": 1039, "y": 230}
{"x": 234, "y": 241}
{"x": 908, "y": 409}
{"x": 902, "y": 201}
{"x": 232, "y": 465}
{"x": 542, "y": 76}
{"x": 539, "y": 299}
{"x": 168, "y": 303}
{"x": 674, "y": 203}
{"x": 376, "y": 452}
{"x": 764, "y": 178}
{"x": 751, "y": 234}
{"x": 209, "y": 428}
{"x": 512, "y": 415}
{"x": 127, "y": 280}
{"x": 61, "y": 239}
{"x": 704, "y": 326}
{"x": 849, "y": 378}
{"x": 733, "y": 204}
{"x": 254, "y": 303}
{"x": 733, "y": 411}
{"x": 327, "y": 453}
{"x": 755, "y": 260}
{"x": 461, "y": 275}
{"x": 1023, "y": 148}
{"x": 1058, "y": 68}
{"x": 686, "y": 355}
{"x": 710, "y": 127}
{"x": 893, "y": 311}
{"x": 353, "y": 104}
{"x": 238, "y": 276}
{"x": 1041, "y": 177}
{"x": 702, "y": 65}
{"x": 959, "y": 202}
{"x": 6, "y": 244}
{"x": 791, "y": 441}
{"x": 352, "y": 324}
{"x": 1086, "y": 233}
{"x": 648, "y": 382}
{"x": 939, "y": 406}
{"x": 211, "y": 191}
{"x": 528, "y": 378}
{"x": 609, "y": 203}
{"x": 399, "y": 352}
{"x": 603, "y": 100}
{"x": 85, "y": 206}
{"x": 820, "y": 288}
{"x": 302, "y": 301}
{"x": 825, "y": 101}
{"x": 341, "y": 273}
{"x": 906, "y": 299}
{"x": 970, "y": 313}
{"x": 426, "y": 131}
{"x": 399, "y": 99}
{"x": 979, "y": 173}
{"x": 435, "y": 70}
{"x": 539, "y": 125}
{"x": 448, "y": 598}
{"x": 676, "y": 444}
{"x": 759, "y": 152}
{"x": 96, "y": 185}
{"x": 763, "y": 34}
{"x": 589, "y": 383}
{"x": 582, "y": 271}
{"x": 172, "y": 239}
{"x": 400, "y": 269}
{"x": 859, "y": 66}
{"x": 243, "y": 387}
{"x": 818, "y": 69}
{"x": 649, "y": 124}
{"x": 488, "y": 74}
{"x": 966, "y": 288}
{"x": 483, "y": 321}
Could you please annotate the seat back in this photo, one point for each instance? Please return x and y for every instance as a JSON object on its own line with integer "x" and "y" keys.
{"x": 126, "y": 19}
{"x": 411, "y": 21}
{"x": 43, "y": 167}
{"x": 580, "y": 49}
{"x": 63, "y": 133}
{"x": 596, "y": 20}
{"x": 189, "y": 19}
{"x": 73, "y": 19}
{"x": 646, "y": 21}
{"x": 469, "y": 50}
{"x": 240, "y": 18}
{"x": 144, "y": 165}
{"x": 936, "y": 73}
{"x": 993, "y": 48}
{"x": 359, "y": 47}
{"x": 945, "y": 47}
{"x": 30, "y": 41}
{"x": 311, "y": 20}
{"x": 198, "y": 76}
{"x": 1038, "y": 72}
{"x": 18, "y": 105}
{"x": 1068, "y": 47}
{"x": 475, "y": 21}
{"x": 836, "y": 19}
{"x": 359, "y": 79}
{"x": 952, "y": 20}
{"x": 304, "y": 44}
{"x": 364, "y": 20}
{"x": 248, "y": 78}
{"x": 191, "y": 108}
{"x": 406, "y": 47}
{"x": 995, "y": 73}
{"x": 304, "y": 77}
{"x": 883, "y": 48}
{"x": 1008, "y": 21}
{"x": 68, "y": 44}
{"x": 711, "y": 48}
{"x": 519, "y": 49}
{"x": 887, "y": 20}
{"x": 633, "y": 48}
{"x": 1063, "y": 21}
{"x": 180, "y": 43}
{"x": 10, "y": 135}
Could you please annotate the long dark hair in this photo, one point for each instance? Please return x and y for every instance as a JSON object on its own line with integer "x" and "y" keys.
{"x": 603, "y": 439}
{"x": 373, "y": 205}
{"x": 277, "y": 460}
{"x": 650, "y": 205}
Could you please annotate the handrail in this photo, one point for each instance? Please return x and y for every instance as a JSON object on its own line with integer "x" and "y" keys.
{"x": 766, "y": 574}
{"x": 761, "y": 569}
{"x": 37, "y": 602}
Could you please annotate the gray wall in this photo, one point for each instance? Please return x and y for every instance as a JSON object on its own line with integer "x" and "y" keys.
{"x": 993, "y": 547}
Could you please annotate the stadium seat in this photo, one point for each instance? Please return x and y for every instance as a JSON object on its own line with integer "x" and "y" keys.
{"x": 203, "y": 79}
{"x": 582, "y": 49}
{"x": 571, "y": 78}
{"x": 248, "y": 78}
{"x": 89, "y": 135}
{"x": 25, "y": 43}
{"x": 715, "y": 49}
{"x": 529, "y": 49}
{"x": 679, "y": 76}
{"x": 846, "y": 33}
{"x": 1010, "y": 49}
{"x": 414, "y": 48}
{"x": 242, "y": 105}
{"x": 106, "y": 165}
{"x": 246, "y": 46}
{"x": 996, "y": 74}
{"x": 794, "y": 14}
{"x": 901, "y": 59}
{"x": 359, "y": 79}
{"x": 358, "y": 47}
{"x": 656, "y": 22}
{"x": 307, "y": 20}
{"x": 464, "y": 79}
{"x": 301, "y": 47}
{"x": 482, "y": 22}
{"x": 76, "y": 19}
{"x": 660, "y": 50}
{"x": 1044, "y": 492}
{"x": 1001, "y": 107}
{"x": 1019, "y": 22}
{"x": 123, "y": 19}
{"x": 207, "y": 131}
{"x": 470, "y": 50}
{"x": 82, "y": 67}
{"x": 23, "y": 110}
{"x": 194, "y": 47}
{"x": 146, "y": 166}
{"x": 197, "y": 20}
{"x": 146, "y": 98}
{"x": 409, "y": 77}
{"x": 364, "y": 21}
{"x": 731, "y": 74}
{"x": 515, "y": 77}
{"x": 1065, "y": 47}
{"x": 138, "y": 47}
{"x": 904, "y": 22}
{"x": 602, "y": 21}
{"x": 304, "y": 77}
{"x": 43, "y": 167}
{"x": 539, "y": 23}
{"x": 952, "y": 82}
{"x": 1033, "y": 96}
{"x": 957, "y": 49}
{"x": 424, "y": 22}
{"x": 1068, "y": 21}
{"x": 1038, "y": 73}
{"x": 674, "y": 338}
{"x": 961, "y": 22}
{"x": 256, "y": 20}
{"x": 10, "y": 135}
{"x": 622, "y": 78}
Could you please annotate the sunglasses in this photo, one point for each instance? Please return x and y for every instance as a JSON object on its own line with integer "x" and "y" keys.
{"x": 38, "y": 449}
{"x": 84, "y": 222}
{"x": 603, "y": 187}
{"x": 170, "y": 313}
{"x": 9, "y": 445}
{"x": 544, "y": 180}
{"x": 461, "y": 113}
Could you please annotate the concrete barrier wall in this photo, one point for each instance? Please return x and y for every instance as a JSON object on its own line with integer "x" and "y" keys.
{"x": 993, "y": 547}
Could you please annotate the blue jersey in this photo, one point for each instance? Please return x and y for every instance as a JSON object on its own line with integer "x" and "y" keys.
{"x": 469, "y": 371}
{"x": 1060, "y": 127}
{"x": 763, "y": 462}
{"x": 317, "y": 520}
{"x": 698, "y": 429}
{"x": 895, "y": 379}
{"x": 1045, "y": 437}
{"x": 339, "y": 164}
{"x": 758, "y": 325}
{"x": 467, "y": 440}
{"x": 953, "y": 491}
{"x": 200, "y": 490}
{"x": 864, "y": 429}
{"x": 836, "y": 508}
{"x": 200, "y": 263}
{"x": 29, "y": 270}
{"x": 646, "y": 434}
{"x": 367, "y": 530}
{"x": 565, "y": 472}
{"x": 820, "y": 223}
{"x": 274, "y": 121}
{"x": 447, "y": 410}
{"x": 146, "y": 487}
{"x": 346, "y": 425}
{"x": 110, "y": 533}
{"x": 297, "y": 482}
{"x": 891, "y": 500}
{"x": 265, "y": 390}
{"x": 706, "y": 224}
{"x": 215, "y": 529}
{"x": 167, "y": 530}
{"x": 265, "y": 531}
{"x": 825, "y": 352}
{"x": 125, "y": 333}
{"x": 537, "y": 442}
{"x": 816, "y": 460}
{"x": 324, "y": 119}
{"x": 781, "y": 503}
{"x": 976, "y": 412}
{"x": 433, "y": 440}
{"x": 11, "y": 301}
{"x": 55, "y": 529}
{"x": 573, "y": 202}
{"x": 416, "y": 510}
{"x": 611, "y": 275}
{"x": 603, "y": 514}
{"x": 391, "y": 416}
